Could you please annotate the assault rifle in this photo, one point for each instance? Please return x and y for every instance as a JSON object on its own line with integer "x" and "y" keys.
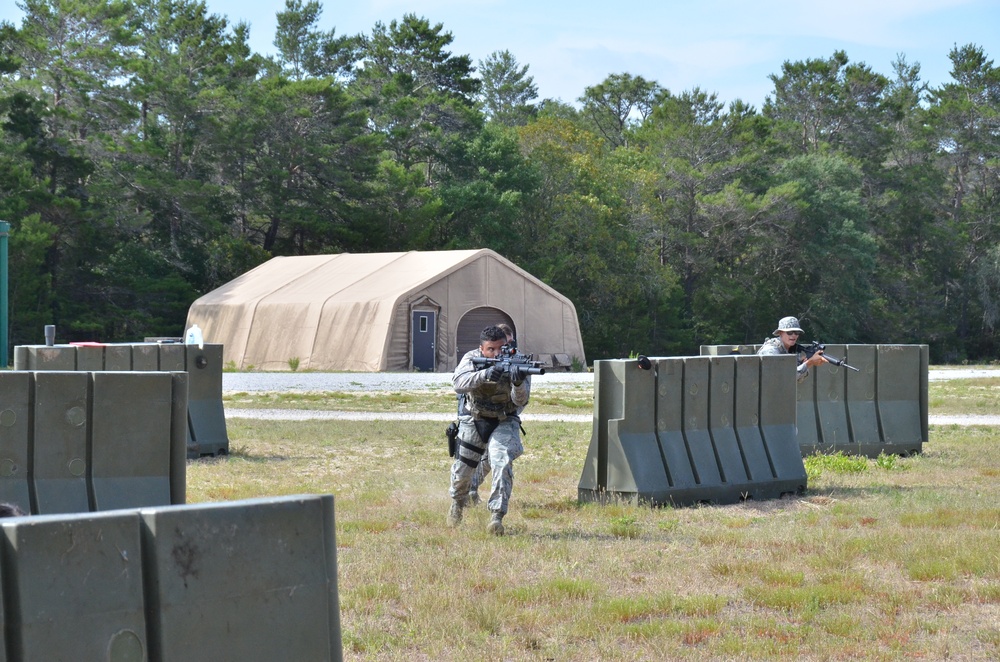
{"x": 512, "y": 363}
{"x": 817, "y": 346}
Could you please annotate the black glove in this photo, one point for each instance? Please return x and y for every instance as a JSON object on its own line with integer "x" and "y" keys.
{"x": 494, "y": 372}
{"x": 516, "y": 375}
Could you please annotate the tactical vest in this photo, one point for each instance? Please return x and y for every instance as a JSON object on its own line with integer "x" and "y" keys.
{"x": 491, "y": 400}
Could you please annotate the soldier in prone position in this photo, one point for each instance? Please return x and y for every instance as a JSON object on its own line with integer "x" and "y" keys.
{"x": 489, "y": 423}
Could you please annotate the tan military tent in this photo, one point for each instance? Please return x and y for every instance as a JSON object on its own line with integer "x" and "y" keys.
{"x": 383, "y": 312}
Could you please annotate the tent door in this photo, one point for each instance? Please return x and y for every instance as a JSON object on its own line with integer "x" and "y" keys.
{"x": 422, "y": 331}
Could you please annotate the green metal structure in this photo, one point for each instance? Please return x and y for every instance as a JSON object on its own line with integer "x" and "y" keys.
{"x": 4, "y": 235}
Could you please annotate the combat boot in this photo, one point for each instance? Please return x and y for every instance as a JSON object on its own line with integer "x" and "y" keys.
{"x": 455, "y": 514}
{"x": 496, "y": 524}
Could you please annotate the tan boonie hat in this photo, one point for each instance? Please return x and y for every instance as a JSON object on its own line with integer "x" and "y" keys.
{"x": 788, "y": 324}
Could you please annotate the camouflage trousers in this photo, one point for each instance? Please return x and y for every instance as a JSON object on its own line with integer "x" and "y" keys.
{"x": 504, "y": 446}
{"x": 479, "y": 475}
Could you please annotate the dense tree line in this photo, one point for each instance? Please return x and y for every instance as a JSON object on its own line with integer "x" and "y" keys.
{"x": 147, "y": 155}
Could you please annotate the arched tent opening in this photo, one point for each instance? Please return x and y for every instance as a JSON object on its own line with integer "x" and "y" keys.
{"x": 473, "y": 323}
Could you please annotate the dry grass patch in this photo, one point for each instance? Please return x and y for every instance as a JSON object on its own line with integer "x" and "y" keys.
{"x": 873, "y": 563}
{"x": 965, "y": 396}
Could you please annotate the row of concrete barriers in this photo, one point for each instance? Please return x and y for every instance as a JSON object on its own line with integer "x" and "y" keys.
{"x": 206, "y": 434}
{"x": 881, "y": 408}
{"x": 109, "y": 428}
{"x": 688, "y": 430}
{"x": 74, "y": 442}
{"x": 247, "y": 581}
{"x": 730, "y": 425}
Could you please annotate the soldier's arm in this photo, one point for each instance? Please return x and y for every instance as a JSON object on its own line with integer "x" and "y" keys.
{"x": 519, "y": 394}
{"x": 467, "y": 377}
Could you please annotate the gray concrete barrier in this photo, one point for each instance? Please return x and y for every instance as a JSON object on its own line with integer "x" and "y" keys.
{"x": 86, "y": 441}
{"x": 72, "y": 587}
{"x": 692, "y": 430}
{"x": 251, "y": 581}
{"x": 882, "y": 408}
{"x": 207, "y": 434}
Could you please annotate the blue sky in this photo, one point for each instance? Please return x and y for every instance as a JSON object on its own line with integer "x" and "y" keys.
{"x": 721, "y": 46}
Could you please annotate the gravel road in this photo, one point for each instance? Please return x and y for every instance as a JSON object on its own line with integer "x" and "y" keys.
{"x": 256, "y": 382}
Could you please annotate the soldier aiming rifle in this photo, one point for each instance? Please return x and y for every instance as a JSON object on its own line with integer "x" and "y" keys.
{"x": 494, "y": 385}
{"x": 786, "y": 341}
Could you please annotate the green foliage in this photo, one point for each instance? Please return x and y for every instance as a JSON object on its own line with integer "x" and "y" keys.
{"x": 484, "y": 194}
{"x": 575, "y": 235}
{"x": 700, "y": 220}
{"x": 147, "y": 155}
{"x": 145, "y": 294}
{"x": 304, "y": 50}
{"x": 419, "y": 95}
{"x": 507, "y": 90}
{"x": 834, "y": 257}
{"x": 837, "y": 463}
{"x": 304, "y": 163}
{"x": 887, "y": 462}
{"x": 625, "y": 526}
{"x": 30, "y": 283}
{"x": 617, "y": 104}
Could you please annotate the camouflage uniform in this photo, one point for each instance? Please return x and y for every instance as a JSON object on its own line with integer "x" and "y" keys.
{"x": 478, "y": 476}
{"x": 483, "y": 470}
{"x": 774, "y": 346}
{"x": 487, "y": 402}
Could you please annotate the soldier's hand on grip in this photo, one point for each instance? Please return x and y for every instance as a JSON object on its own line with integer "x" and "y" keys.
{"x": 517, "y": 375}
{"x": 494, "y": 372}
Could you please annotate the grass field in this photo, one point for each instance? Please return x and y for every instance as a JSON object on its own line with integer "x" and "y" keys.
{"x": 887, "y": 559}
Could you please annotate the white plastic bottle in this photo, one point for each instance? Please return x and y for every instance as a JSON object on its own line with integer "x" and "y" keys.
{"x": 194, "y": 337}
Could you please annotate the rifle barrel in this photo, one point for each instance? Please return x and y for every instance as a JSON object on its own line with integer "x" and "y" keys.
{"x": 525, "y": 365}
{"x": 839, "y": 362}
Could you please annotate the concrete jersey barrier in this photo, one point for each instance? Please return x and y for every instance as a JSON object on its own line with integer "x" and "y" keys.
{"x": 207, "y": 434}
{"x": 691, "y": 430}
{"x": 882, "y": 408}
{"x": 87, "y": 441}
{"x": 247, "y": 581}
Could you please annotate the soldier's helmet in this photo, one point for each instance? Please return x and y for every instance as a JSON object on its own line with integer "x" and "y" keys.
{"x": 788, "y": 324}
